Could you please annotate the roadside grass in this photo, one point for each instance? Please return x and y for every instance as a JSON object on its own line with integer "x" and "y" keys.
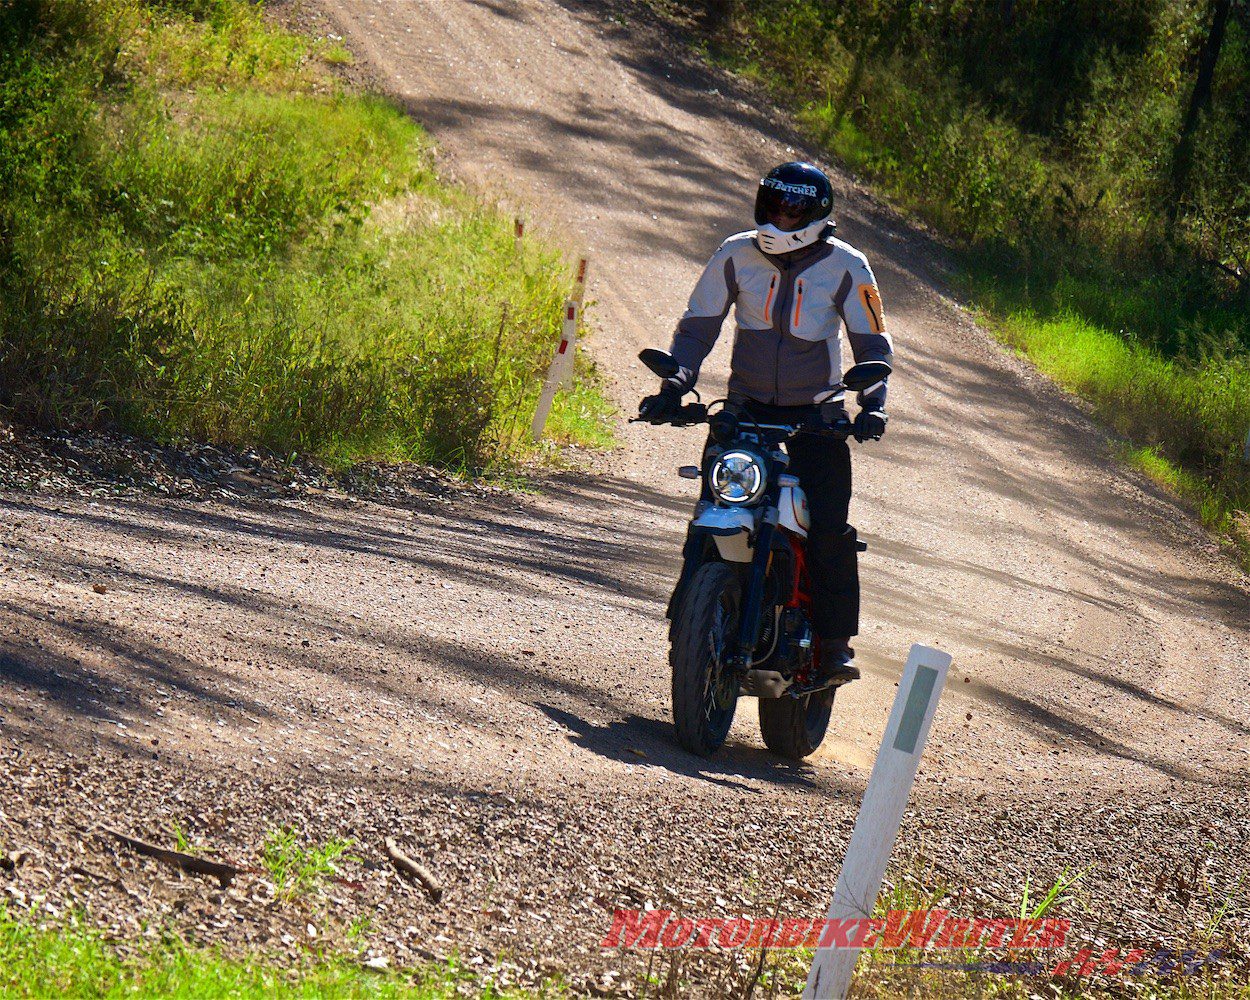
{"x": 1185, "y": 423}
{"x": 297, "y": 869}
{"x": 69, "y": 958}
{"x": 203, "y": 235}
{"x": 987, "y": 972}
{"x": 183, "y": 843}
{"x": 1171, "y": 377}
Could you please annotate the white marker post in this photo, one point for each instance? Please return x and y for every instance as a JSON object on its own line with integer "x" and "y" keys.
{"x": 561, "y": 370}
{"x": 881, "y": 812}
{"x": 579, "y": 283}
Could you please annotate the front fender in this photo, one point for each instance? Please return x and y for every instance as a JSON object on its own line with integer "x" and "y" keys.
{"x": 731, "y": 528}
{"x": 723, "y": 521}
{"x": 710, "y": 534}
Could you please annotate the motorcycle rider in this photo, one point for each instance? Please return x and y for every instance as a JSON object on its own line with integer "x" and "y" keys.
{"x": 794, "y": 286}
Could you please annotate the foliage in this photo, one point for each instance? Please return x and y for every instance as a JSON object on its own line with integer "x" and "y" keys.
{"x": 1060, "y": 120}
{"x": 202, "y": 234}
{"x": 1191, "y": 415}
{"x": 1058, "y": 894}
{"x": 40, "y": 958}
{"x": 1049, "y": 140}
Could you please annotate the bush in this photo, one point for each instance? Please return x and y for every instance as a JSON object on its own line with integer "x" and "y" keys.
{"x": 201, "y": 235}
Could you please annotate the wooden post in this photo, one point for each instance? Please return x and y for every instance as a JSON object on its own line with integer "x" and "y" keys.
{"x": 880, "y": 813}
{"x": 518, "y": 231}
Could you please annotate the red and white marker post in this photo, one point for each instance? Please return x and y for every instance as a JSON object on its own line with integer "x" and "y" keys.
{"x": 561, "y": 370}
{"x": 579, "y": 282}
{"x": 560, "y": 373}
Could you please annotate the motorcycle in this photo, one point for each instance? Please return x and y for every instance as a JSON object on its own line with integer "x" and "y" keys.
{"x": 740, "y": 615}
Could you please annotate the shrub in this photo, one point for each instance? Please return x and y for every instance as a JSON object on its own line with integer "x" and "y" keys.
{"x": 201, "y": 237}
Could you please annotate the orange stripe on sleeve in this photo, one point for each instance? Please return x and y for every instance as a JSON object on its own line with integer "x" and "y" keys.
{"x": 871, "y": 299}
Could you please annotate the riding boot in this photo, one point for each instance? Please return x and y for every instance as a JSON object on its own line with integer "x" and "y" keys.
{"x": 837, "y": 662}
{"x": 833, "y": 563}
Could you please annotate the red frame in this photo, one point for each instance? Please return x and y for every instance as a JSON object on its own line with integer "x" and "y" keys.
{"x": 800, "y": 596}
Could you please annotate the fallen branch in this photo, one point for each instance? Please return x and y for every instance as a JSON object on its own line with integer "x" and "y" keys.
{"x": 418, "y": 872}
{"x": 186, "y": 862}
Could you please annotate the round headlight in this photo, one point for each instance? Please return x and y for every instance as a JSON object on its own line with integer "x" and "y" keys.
{"x": 737, "y": 477}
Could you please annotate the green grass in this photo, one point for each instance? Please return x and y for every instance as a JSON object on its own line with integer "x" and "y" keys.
{"x": 915, "y": 884}
{"x": 203, "y": 235}
{"x": 68, "y": 958}
{"x": 336, "y": 55}
{"x": 296, "y": 869}
{"x": 1185, "y": 423}
{"x": 886, "y": 973}
{"x": 1059, "y": 893}
{"x": 182, "y": 843}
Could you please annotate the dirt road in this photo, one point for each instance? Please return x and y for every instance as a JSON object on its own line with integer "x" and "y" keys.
{"x": 485, "y": 672}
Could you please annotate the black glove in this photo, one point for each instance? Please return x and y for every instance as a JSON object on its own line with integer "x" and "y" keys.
{"x": 870, "y": 425}
{"x": 663, "y": 406}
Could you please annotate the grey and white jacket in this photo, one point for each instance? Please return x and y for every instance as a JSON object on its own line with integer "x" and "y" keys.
{"x": 788, "y": 311}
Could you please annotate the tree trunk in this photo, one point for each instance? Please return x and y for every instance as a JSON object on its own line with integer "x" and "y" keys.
{"x": 717, "y": 16}
{"x": 851, "y": 89}
{"x": 1199, "y": 99}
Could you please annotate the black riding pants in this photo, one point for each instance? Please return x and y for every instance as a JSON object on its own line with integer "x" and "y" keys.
{"x": 823, "y": 465}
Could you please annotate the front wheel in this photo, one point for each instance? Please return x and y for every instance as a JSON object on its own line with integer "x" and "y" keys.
{"x": 705, "y": 693}
{"x": 795, "y": 727}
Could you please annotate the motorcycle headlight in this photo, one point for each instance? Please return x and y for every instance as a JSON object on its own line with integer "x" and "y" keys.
{"x": 737, "y": 477}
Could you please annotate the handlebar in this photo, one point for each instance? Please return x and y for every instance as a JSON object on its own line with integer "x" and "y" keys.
{"x": 696, "y": 413}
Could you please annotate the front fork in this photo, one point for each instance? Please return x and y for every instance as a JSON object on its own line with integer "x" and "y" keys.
{"x": 743, "y": 655}
{"x": 694, "y": 554}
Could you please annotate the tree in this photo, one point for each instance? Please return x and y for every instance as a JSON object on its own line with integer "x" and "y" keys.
{"x": 1199, "y": 101}
{"x": 872, "y": 30}
{"x": 714, "y": 17}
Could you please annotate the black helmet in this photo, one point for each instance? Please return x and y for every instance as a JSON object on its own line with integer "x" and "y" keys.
{"x": 796, "y": 188}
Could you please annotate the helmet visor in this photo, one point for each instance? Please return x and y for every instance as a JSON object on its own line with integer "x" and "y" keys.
{"x": 787, "y": 206}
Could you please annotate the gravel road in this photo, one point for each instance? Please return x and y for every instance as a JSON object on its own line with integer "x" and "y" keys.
{"x": 483, "y": 673}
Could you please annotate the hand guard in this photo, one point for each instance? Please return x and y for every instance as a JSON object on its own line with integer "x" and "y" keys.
{"x": 661, "y": 407}
{"x": 870, "y": 425}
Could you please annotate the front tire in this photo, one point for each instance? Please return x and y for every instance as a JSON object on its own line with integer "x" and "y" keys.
{"x": 795, "y": 727}
{"x": 705, "y": 697}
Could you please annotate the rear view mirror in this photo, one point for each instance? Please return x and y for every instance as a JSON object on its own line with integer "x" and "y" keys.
{"x": 660, "y": 362}
{"x": 865, "y": 375}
